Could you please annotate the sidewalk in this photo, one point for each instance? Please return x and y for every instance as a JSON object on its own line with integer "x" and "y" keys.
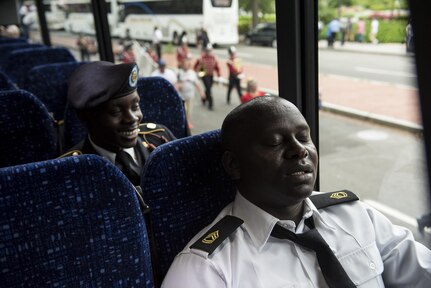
{"x": 384, "y": 103}
{"x": 398, "y": 49}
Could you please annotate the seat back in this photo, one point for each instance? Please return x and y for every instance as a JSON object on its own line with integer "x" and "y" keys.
{"x": 27, "y": 131}
{"x": 71, "y": 222}
{"x": 74, "y": 130}
{"x": 5, "y": 40}
{"x": 185, "y": 186}
{"x": 160, "y": 103}
{"x": 6, "y": 49}
{"x": 49, "y": 83}
{"x": 6, "y": 83}
{"x": 21, "y": 61}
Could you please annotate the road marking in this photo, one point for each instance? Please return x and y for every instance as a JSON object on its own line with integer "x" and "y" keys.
{"x": 392, "y": 212}
{"x": 384, "y": 72}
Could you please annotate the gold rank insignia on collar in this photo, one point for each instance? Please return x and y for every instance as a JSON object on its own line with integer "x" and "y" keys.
{"x": 217, "y": 234}
{"x": 210, "y": 238}
{"x": 323, "y": 200}
{"x": 338, "y": 195}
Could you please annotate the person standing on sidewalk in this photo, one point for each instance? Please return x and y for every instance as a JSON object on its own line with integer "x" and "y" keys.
{"x": 374, "y": 31}
{"x": 360, "y": 31}
{"x": 206, "y": 66}
{"x": 157, "y": 41}
{"x": 182, "y": 51}
{"x": 235, "y": 73}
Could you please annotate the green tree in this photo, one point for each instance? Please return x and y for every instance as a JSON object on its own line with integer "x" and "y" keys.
{"x": 257, "y": 6}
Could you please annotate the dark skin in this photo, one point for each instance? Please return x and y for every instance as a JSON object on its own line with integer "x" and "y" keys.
{"x": 113, "y": 125}
{"x": 273, "y": 158}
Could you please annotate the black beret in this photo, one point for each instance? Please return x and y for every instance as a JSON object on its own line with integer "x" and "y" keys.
{"x": 97, "y": 82}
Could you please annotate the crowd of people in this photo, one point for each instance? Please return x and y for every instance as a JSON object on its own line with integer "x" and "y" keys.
{"x": 192, "y": 75}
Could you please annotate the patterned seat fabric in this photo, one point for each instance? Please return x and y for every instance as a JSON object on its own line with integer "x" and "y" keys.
{"x": 49, "y": 83}
{"x": 74, "y": 130}
{"x": 6, "y": 49}
{"x": 7, "y": 40}
{"x": 27, "y": 131}
{"x": 160, "y": 103}
{"x": 21, "y": 61}
{"x": 71, "y": 222}
{"x": 185, "y": 186}
{"x": 6, "y": 83}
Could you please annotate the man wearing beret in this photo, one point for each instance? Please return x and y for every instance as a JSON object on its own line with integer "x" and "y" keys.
{"x": 105, "y": 98}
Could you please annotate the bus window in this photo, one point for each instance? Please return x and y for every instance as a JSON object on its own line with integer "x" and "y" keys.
{"x": 370, "y": 126}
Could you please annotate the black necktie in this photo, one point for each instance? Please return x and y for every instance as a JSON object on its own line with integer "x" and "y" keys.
{"x": 128, "y": 166}
{"x": 332, "y": 270}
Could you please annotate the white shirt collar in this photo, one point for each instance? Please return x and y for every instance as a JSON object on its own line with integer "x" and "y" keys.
{"x": 259, "y": 224}
{"x": 111, "y": 155}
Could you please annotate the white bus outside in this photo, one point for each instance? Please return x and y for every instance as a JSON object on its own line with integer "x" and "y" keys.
{"x": 80, "y": 19}
{"x": 173, "y": 17}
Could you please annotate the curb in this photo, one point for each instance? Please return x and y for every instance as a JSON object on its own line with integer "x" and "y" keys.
{"x": 352, "y": 50}
{"x": 379, "y": 119}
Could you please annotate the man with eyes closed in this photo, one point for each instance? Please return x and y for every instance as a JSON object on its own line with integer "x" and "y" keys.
{"x": 105, "y": 98}
{"x": 278, "y": 232}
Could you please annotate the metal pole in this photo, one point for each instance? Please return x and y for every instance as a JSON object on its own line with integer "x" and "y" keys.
{"x": 42, "y": 23}
{"x": 297, "y": 57}
{"x": 102, "y": 30}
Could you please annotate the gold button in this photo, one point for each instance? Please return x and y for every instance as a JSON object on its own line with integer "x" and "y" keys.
{"x": 151, "y": 126}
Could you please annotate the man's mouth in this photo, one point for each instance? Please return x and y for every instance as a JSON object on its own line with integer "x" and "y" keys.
{"x": 130, "y": 132}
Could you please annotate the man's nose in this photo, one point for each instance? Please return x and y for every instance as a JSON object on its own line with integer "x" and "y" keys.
{"x": 295, "y": 149}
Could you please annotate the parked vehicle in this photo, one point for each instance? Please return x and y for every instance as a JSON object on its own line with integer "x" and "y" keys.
{"x": 263, "y": 33}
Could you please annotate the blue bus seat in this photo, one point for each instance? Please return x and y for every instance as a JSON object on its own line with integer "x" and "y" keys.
{"x": 74, "y": 130}
{"x": 71, "y": 222}
{"x": 6, "y": 49}
{"x": 4, "y": 40}
{"x": 160, "y": 103}
{"x": 20, "y": 62}
{"x": 186, "y": 187}
{"x": 6, "y": 83}
{"x": 48, "y": 82}
{"x": 27, "y": 131}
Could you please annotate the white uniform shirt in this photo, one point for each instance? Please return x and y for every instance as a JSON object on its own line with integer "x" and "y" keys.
{"x": 168, "y": 74}
{"x": 372, "y": 251}
{"x": 188, "y": 80}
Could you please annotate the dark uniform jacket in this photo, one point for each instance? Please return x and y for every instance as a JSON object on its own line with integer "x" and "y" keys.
{"x": 151, "y": 136}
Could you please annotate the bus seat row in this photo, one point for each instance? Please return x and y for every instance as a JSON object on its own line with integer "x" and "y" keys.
{"x": 6, "y": 83}
{"x": 27, "y": 131}
{"x": 76, "y": 220}
{"x": 20, "y": 62}
{"x": 71, "y": 222}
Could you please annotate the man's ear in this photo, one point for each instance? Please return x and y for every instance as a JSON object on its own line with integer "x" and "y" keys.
{"x": 231, "y": 165}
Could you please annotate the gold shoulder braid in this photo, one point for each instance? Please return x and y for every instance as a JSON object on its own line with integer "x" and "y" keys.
{"x": 70, "y": 153}
{"x": 146, "y": 135}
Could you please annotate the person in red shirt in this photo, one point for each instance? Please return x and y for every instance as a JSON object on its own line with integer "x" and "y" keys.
{"x": 128, "y": 56}
{"x": 235, "y": 72}
{"x": 206, "y": 66}
{"x": 252, "y": 91}
{"x": 182, "y": 52}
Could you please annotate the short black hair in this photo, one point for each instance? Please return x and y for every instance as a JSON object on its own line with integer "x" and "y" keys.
{"x": 238, "y": 120}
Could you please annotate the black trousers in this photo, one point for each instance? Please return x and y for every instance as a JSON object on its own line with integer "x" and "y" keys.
{"x": 208, "y": 83}
{"x": 234, "y": 82}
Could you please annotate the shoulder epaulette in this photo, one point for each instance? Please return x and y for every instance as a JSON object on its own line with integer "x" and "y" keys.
{"x": 148, "y": 128}
{"x": 333, "y": 198}
{"x": 217, "y": 234}
{"x": 71, "y": 153}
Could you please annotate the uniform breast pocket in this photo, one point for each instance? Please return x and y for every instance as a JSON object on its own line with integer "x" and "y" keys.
{"x": 364, "y": 265}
